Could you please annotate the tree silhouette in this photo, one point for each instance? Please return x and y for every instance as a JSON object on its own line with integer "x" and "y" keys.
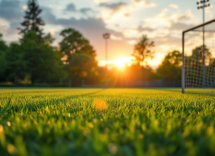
{"x": 73, "y": 43}
{"x": 3, "y": 62}
{"x": 142, "y": 50}
{"x": 32, "y": 21}
{"x": 194, "y": 65}
{"x": 170, "y": 68}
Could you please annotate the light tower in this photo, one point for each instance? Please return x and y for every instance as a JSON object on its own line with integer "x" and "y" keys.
{"x": 202, "y": 5}
{"x": 106, "y": 36}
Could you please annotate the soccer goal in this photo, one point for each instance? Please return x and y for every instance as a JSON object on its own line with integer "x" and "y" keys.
{"x": 198, "y": 57}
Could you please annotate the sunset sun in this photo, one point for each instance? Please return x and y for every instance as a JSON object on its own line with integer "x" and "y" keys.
{"x": 121, "y": 62}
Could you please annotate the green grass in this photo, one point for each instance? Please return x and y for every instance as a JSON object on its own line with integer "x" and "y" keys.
{"x": 136, "y": 122}
{"x": 200, "y": 91}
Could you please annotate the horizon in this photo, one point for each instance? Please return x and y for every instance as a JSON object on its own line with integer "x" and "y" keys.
{"x": 125, "y": 20}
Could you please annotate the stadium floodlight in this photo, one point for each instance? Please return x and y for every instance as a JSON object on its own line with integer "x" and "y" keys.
{"x": 198, "y": 69}
{"x": 202, "y": 5}
{"x": 106, "y": 36}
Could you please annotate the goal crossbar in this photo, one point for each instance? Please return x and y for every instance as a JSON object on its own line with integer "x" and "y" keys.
{"x": 199, "y": 26}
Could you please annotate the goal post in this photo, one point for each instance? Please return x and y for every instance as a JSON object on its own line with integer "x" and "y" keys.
{"x": 198, "y": 59}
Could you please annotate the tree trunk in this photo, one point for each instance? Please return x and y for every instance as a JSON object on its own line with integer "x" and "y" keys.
{"x": 16, "y": 82}
{"x": 70, "y": 82}
{"x": 82, "y": 82}
{"x": 32, "y": 81}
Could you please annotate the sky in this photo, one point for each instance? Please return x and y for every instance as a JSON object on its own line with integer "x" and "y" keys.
{"x": 126, "y": 20}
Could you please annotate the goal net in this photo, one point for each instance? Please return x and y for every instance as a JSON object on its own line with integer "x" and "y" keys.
{"x": 198, "y": 57}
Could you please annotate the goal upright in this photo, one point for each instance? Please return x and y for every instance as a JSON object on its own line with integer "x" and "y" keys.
{"x": 198, "y": 59}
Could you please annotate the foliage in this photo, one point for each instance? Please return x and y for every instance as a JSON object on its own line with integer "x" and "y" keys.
{"x": 170, "y": 68}
{"x": 194, "y": 64}
{"x": 82, "y": 65}
{"x": 73, "y": 43}
{"x": 136, "y": 122}
{"x": 3, "y": 62}
{"x": 131, "y": 75}
{"x": 16, "y": 63}
{"x": 42, "y": 60}
{"x": 32, "y": 21}
{"x": 142, "y": 50}
{"x": 197, "y": 54}
{"x": 141, "y": 73}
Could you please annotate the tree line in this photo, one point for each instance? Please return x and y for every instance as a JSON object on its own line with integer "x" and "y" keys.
{"x": 34, "y": 58}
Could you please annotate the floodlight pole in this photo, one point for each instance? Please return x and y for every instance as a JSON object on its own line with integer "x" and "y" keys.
{"x": 203, "y": 4}
{"x": 106, "y": 36}
{"x": 106, "y": 60}
{"x": 183, "y": 66}
{"x": 203, "y": 53}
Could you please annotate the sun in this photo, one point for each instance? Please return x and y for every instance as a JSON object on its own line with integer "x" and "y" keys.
{"x": 121, "y": 62}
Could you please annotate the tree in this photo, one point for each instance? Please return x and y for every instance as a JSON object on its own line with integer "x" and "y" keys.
{"x": 73, "y": 43}
{"x": 197, "y": 54}
{"x": 3, "y": 62}
{"x": 32, "y": 21}
{"x": 170, "y": 68}
{"x": 194, "y": 64}
{"x": 142, "y": 50}
{"x": 42, "y": 60}
{"x": 16, "y": 63}
{"x": 81, "y": 66}
{"x": 51, "y": 64}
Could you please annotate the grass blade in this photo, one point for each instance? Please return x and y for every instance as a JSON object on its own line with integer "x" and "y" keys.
{"x": 5, "y": 109}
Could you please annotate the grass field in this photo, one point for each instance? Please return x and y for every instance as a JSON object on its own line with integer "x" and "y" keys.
{"x": 106, "y": 122}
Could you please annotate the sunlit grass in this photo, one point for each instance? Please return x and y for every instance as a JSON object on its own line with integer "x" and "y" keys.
{"x": 106, "y": 122}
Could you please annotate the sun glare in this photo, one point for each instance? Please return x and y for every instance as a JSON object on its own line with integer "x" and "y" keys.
{"x": 121, "y": 62}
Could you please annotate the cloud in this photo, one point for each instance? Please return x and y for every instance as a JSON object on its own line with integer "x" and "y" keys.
{"x": 100, "y": 1}
{"x": 10, "y": 10}
{"x": 132, "y": 42}
{"x": 209, "y": 12}
{"x": 92, "y": 28}
{"x": 11, "y": 13}
{"x": 173, "y": 6}
{"x": 113, "y": 6}
{"x": 143, "y": 3}
{"x": 86, "y": 10}
{"x": 87, "y": 25}
{"x": 180, "y": 26}
{"x": 167, "y": 32}
{"x": 167, "y": 19}
{"x": 70, "y": 8}
{"x": 115, "y": 37}
{"x": 53, "y": 31}
{"x": 4, "y": 26}
{"x": 131, "y": 33}
{"x": 127, "y": 15}
{"x": 137, "y": 32}
{"x": 114, "y": 11}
